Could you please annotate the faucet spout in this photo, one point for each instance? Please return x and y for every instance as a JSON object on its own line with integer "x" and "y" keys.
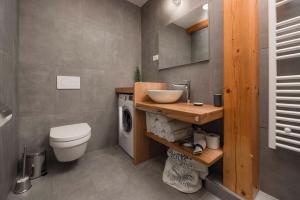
{"x": 187, "y": 86}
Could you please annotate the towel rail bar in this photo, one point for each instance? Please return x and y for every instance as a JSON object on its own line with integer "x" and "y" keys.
{"x": 288, "y": 147}
{"x": 294, "y": 55}
{"x": 288, "y": 91}
{"x": 288, "y": 28}
{"x": 288, "y": 126}
{"x": 288, "y": 140}
{"x": 287, "y": 119}
{"x": 287, "y": 105}
{"x": 288, "y": 77}
{"x": 286, "y": 112}
{"x": 291, "y": 84}
{"x": 288, "y": 98}
{"x": 288, "y": 21}
{"x": 288, "y": 42}
{"x": 294, "y": 48}
{"x": 281, "y": 3}
{"x": 288, "y": 134}
{"x": 288, "y": 35}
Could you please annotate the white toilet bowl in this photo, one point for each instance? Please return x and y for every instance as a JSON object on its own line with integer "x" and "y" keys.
{"x": 69, "y": 142}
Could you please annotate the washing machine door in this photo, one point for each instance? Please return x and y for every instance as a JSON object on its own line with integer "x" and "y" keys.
{"x": 127, "y": 121}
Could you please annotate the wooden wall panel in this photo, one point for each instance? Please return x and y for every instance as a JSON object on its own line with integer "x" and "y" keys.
{"x": 241, "y": 97}
{"x": 141, "y": 142}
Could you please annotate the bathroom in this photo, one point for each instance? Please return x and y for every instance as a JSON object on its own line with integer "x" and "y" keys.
{"x": 70, "y": 62}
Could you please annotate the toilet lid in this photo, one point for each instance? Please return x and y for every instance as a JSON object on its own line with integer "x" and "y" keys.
{"x": 70, "y": 132}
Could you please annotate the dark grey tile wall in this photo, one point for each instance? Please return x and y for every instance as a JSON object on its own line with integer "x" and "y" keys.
{"x": 98, "y": 40}
{"x": 8, "y": 94}
{"x": 279, "y": 169}
{"x": 207, "y": 76}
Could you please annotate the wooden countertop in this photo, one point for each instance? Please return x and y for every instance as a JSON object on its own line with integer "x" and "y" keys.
{"x": 184, "y": 112}
{"x": 125, "y": 90}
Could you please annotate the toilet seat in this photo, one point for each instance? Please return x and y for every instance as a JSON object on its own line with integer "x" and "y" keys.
{"x": 69, "y": 144}
{"x": 70, "y": 133}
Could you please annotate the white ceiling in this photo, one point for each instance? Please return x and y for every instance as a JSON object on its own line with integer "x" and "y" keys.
{"x": 139, "y": 3}
{"x": 192, "y": 18}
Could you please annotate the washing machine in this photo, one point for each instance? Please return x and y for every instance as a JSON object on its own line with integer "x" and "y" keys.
{"x": 126, "y": 120}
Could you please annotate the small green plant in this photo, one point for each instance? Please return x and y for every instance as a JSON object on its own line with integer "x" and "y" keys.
{"x": 137, "y": 74}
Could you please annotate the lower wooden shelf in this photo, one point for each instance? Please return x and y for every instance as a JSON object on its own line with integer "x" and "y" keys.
{"x": 207, "y": 157}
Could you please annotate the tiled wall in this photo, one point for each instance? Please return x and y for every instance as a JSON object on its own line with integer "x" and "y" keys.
{"x": 98, "y": 40}
{"x": 207, "y": 76}
{"x": 8, "y": 90}
{"x": 279, "y": 169}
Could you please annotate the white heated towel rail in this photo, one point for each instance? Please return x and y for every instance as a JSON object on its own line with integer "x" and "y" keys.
{"x": 284, "y": 91}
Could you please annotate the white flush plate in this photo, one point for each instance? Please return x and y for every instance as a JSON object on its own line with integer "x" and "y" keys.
{"x": 68, "y": 82}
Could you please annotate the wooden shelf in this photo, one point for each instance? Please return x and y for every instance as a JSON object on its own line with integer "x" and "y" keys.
{"x": 196, "y": 27}
{"x": 125, "y": 90}
{"x": 207, "y": 157}
{"x": 184, "y": 112}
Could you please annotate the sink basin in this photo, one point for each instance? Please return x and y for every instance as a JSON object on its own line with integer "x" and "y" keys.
{"x": 165, "y": 96}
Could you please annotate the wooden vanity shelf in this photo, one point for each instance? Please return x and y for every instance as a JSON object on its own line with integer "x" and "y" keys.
{"x": 207, "y": 157}
{"x": 125, "y": 90}
{"x": 184, "y": 112}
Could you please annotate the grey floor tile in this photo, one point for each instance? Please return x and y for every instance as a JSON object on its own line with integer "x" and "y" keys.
{"x": 264, "y": 196}
{"x": 107, "y": 174}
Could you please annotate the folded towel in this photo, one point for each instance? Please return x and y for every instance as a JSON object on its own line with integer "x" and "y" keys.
{"x": 167, "y": 128}
{"x": 178, "y": 135}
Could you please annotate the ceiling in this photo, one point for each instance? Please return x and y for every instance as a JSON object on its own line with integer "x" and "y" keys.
{"x": 139, "y": 3}
{"x": 192, "y": 18}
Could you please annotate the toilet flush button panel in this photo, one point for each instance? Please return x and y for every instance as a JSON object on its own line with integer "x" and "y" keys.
{"x": 68, "y": 82}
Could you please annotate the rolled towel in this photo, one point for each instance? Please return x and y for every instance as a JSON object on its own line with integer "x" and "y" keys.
{"x": 163, "y": 119}
{"x": 178, "y": 135}
{"x": 165, "y": 127}
{"x": 175, "y": 125}
{"x": 150, "y": 121}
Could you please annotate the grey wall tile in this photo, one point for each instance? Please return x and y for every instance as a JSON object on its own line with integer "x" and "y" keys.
{"x": 36, "y": 89}
{"x": 98, "y": 40}
{"x": 8, "y": 94}
{"x": 263, "y": 24}
{"x": 263, "y": 87}
{"x": 35, "y": 129}
{"x": 102, "y": 136}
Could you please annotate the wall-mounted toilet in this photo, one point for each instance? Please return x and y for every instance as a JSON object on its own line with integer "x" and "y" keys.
{"x": 69, "y": 142}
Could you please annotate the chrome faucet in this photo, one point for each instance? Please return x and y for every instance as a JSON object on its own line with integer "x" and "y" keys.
{"x": 187, "y": 86}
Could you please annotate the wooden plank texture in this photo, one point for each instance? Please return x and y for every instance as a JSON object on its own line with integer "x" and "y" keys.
{"x": 241, "y": 97}
{"x": 196, "y": 27}
{"x": 208, "y": 157}
{"x": 184, "y": 112}
{"x": 141, "y": 142}
{"x": 125, "y": 90}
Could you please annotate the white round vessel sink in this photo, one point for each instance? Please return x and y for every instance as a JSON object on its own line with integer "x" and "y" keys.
{"x": 165, "y": 96}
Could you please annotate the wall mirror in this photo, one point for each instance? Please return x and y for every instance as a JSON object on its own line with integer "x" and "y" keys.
{"x": 185, "y": 40}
